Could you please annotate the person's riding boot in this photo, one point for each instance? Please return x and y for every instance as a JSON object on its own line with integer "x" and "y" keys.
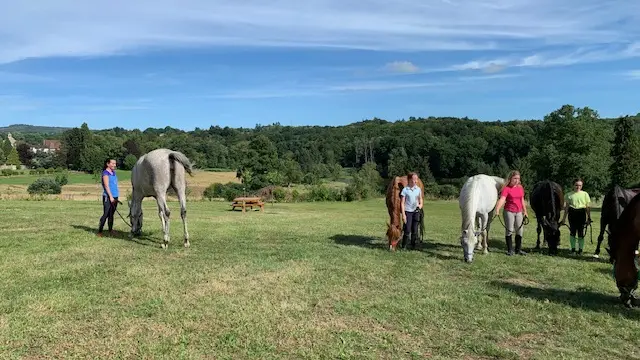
{"x": 519, "y": 246}
{"x": 414, "y": 238}
{"x": 509, "y": 245}
{"x": 405, "y": 239}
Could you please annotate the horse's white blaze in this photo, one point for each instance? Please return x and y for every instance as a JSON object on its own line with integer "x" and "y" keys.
{"x": 477, "y": 200}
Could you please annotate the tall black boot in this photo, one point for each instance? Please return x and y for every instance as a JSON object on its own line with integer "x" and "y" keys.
{"x": 405, "y": 239}
{"x": 414, "y": 238}
{"x": 519, "y": 246}
{"x": 509, "y": 245}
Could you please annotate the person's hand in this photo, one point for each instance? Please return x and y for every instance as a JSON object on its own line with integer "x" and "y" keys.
{"x": 111, "y": 199}
{"x": 419, "y": 206}
{"x": 404, "y": 218}
{"x": 589, "y": 221}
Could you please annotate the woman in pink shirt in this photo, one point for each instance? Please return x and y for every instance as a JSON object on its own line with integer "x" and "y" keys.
{"x": 512, "y": 198}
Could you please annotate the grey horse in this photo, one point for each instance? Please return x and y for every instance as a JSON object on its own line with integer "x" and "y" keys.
{"x": 153, "y": 174}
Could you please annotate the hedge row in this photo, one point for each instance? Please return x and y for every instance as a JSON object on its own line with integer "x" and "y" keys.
{"x": 352, "y": 192}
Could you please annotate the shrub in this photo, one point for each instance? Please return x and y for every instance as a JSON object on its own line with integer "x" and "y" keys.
{"x": 214, "y": 191}
{"x": 62, "y": 179}
{"x": 448, "y": 191}
{"x": 319, "y": 193}
{"x": 279, "y": 194}
{"x": 44, "y": 186}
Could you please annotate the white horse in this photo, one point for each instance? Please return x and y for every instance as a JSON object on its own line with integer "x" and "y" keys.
{"x": 477, "y": 201}
{"x": 153, "y": 174}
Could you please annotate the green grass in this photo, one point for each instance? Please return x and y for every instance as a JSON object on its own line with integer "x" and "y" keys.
{"x": 297, "y": 281}
{"x": 75, "y": 178}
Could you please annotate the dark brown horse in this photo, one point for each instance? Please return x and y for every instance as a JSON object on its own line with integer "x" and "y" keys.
{"x": 394, "y": 227}
{"x": 547, "y": 200}
{"x": 623, "y": 246}
{"x": 613, "y": 204}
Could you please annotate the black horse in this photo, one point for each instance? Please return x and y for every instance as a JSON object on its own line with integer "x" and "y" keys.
{"x": 547, "y": 200}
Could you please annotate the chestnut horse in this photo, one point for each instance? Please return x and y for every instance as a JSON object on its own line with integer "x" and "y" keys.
{"x": 612, "y": 206}
{"x": 623, "y": 252}
{"x": 394, "y": 227}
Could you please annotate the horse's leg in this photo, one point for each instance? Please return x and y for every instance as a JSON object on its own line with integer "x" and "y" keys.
{"x": 483, "y": 224}
{"x": 183, "y": 214}
{"x": 479, "y": 227}
{"x": 538, "y": 230}
{"x": 603, "y": 228}
{"x": 164, "y": 213}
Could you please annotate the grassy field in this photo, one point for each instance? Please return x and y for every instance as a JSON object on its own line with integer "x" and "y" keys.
{"x": 304, "y": 280}
{"x": 83, "y": 186}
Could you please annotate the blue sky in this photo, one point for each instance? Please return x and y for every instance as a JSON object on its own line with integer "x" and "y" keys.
{"x": 314, "y": 62}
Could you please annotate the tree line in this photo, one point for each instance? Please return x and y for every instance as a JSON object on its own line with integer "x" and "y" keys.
{"x": 567, "y": 143}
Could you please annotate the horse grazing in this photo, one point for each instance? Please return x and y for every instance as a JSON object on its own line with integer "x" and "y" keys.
{"x": 394, "y": 227}
{"x": 547, "y": 200}
{"x": 477, "y": 202}
{"x": 623, "y": 252}
{"x": 614, "y": 202}
{"x": 153, "y": 174}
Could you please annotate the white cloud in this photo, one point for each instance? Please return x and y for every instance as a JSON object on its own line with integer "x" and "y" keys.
{"x": 634, "y": 74}
{"x": 548, "y": 59}
{"x": 402, "y": 67}
{"x": 98, "y": 28}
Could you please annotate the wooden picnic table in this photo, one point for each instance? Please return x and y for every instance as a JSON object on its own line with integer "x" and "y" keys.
{"x": 247, "y": 202}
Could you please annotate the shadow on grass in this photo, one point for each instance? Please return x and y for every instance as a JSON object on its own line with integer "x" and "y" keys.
{"x": 369, "y": 242}
{"x": 428, "y": 247}
{"x": 580, "y": 299}
{"x": 120, "y": 235}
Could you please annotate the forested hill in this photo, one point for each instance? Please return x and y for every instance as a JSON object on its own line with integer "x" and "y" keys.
{"x": 567, "y": 143}
{"x": 32, "y": 129}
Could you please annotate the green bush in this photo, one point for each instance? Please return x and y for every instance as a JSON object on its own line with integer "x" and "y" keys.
{"x": 279, "y": 194}
{"x": 448, "y": 191}
{"x": 214, "y": 191}
{"x": 62, "y": 179}
{"x": 44, "y": 186}
{"x": 319, "y": 193}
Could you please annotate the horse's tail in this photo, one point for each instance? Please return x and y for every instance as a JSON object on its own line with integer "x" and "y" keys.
{"x": 182, "y": 159}
{"x": 553, "y": 201}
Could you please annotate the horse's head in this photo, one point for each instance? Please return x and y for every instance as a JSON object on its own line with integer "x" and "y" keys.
{"x": 627, "y": 277}
{"x": 135, "y": 216}
{"x": 551, "y": 230}
{"x": 468, "y": 240}
{"x": 393, "y": 235}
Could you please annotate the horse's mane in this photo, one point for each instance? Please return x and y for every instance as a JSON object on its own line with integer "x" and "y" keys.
{"x": 467, "y": 200}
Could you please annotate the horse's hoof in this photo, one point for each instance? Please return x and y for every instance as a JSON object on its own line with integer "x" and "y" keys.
{"x": 486, "y": 251}
{"x": 186, "y": 244}
{"x": 164, "y": 246}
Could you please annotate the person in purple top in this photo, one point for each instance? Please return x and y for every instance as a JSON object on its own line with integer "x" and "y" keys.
{"x": 110, "y": 194}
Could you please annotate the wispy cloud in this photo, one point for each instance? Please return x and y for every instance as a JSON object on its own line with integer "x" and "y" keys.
{"x": 633, "y": 74}
{"x": 98, "y": 28}
{"x": 556, "y": 58}
{"x": 406, "y": 67}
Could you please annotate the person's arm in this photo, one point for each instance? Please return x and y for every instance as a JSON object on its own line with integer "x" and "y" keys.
{"x": 566, "y": 210}
{"x": 420, "y": 200}
{"x": 524, "y": 207}
{"x": 105, "y": 182}
{"x": 588, "y": 208}
{"x": 404, "y": 216}
{"x": 500, "y": 204}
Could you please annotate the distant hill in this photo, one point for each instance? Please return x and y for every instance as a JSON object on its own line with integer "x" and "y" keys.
{"x": 32, "y": 129}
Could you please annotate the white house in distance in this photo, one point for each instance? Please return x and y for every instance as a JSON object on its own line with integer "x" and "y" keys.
{"x": 47, "y": 146}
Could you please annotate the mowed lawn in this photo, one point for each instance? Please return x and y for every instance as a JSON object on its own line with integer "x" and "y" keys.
{"x": 310, "y": 280}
